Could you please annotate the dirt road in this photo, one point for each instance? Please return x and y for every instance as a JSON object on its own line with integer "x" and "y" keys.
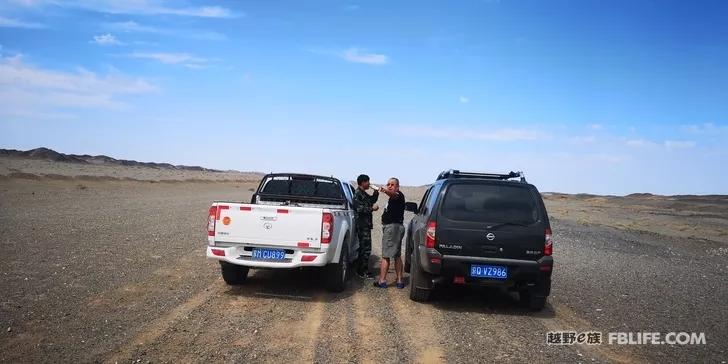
{"x": 115, "y": 272}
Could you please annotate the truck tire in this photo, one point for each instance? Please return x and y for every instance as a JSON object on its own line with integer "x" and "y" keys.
{"x": 338, "y": 273}
{"x": 418, "y": 277}
{"x": 233, "y": 274}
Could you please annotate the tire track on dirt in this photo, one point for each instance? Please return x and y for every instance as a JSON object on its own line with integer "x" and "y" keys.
{"x": 417, "y": 322}
{"x": 379, "y": 328}
{"x": 152, "y": 331}
{"x": 336, "y": 337}
{"x": 291, "y": 332}
{"x": 567, "y": 319}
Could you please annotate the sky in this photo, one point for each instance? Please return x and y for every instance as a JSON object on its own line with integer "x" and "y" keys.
{"x": 605, "y": 97}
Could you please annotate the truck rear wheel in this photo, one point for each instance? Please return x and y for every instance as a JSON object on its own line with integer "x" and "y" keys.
{"x": 419, "y": 278}
{"x": 337, "y": 273}
{"x": 233, "y": 274}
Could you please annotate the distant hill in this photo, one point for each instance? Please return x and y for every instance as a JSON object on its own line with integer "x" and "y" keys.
{"x": 52, "y": 155}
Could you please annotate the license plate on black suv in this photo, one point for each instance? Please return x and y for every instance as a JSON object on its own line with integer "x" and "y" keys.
{"x": 489, "y": 271}
{"x": 269, "y": 254}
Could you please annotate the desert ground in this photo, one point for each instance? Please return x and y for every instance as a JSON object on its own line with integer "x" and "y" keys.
{"x": 108, "y": 265}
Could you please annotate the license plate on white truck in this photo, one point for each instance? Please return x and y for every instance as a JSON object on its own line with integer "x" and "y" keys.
{"x": 269, "y": 254}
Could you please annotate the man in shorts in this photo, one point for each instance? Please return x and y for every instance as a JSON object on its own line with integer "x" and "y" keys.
{"x": 392, "y": 233}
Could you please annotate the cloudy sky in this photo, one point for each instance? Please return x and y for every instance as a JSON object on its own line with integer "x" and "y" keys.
{"x": 584, "y": 96}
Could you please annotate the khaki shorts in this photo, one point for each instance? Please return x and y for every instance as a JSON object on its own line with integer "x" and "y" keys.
{"x": 392, "y": 235}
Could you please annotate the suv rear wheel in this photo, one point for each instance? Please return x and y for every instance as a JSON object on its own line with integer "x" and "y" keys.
{"x": 233, "y": 274}
{"x": 419, "y": 278}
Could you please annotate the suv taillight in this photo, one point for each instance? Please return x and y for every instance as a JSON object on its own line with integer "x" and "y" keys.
{"x": 430, "y": 235}
{"x": 327, "y": 227}
{"x": 211, "y": 221}
{"x": 548, "y": 247}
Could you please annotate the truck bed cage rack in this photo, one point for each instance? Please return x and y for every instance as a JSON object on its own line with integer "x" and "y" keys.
{"x": 289, "y": 196}
{"x": 454, "y": 173}
{"x": 304, "y": 199}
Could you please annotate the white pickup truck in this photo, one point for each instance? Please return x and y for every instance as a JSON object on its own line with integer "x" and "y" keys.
{"x": 293, "y": 220}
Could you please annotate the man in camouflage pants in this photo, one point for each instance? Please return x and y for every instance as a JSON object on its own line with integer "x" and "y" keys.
{"x": 364, "y": 204}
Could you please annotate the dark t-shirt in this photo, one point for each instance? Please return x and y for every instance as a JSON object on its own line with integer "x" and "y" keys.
{"x": 394, "y": 212}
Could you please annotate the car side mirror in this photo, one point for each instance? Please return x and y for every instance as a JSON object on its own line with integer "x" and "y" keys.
{"x": 410, "y": 206}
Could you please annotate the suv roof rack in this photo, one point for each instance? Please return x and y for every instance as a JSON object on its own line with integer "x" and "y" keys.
{"x": 454, "y": 173}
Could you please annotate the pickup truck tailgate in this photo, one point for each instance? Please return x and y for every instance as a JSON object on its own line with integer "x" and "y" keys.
{"x": 282, "y": 226}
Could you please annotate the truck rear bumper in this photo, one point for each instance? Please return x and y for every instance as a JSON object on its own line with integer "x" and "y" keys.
{"x": 242, "y": 255}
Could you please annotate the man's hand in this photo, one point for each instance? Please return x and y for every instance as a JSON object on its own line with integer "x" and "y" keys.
{"x": 375, "y": 207}
{"x": 387, "y": 192}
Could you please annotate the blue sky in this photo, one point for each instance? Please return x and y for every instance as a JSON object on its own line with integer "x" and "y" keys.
{"x": 608, "y": 97}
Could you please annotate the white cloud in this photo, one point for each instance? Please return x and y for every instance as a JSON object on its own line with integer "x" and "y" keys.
{"x": 27, "y": 89}
{"x": 184, "y": 59}
{"x": 569, "y": 159}
{"x": 705, "y": 128}
{"x": 588, "y": 139}
{"x": 503, "y": 134}
{"x": 134, "y": 27}
{"x": 640, "y": 143}
{"x": 356, "y": 55}
{"x": 135, "y": 7}
{"x": 464, "y": 99}
{"x": 106, "y": 39}
{"x": 679, "y": 144}
{"x": 15, "y": 23}
{"x": 596, "y": 126}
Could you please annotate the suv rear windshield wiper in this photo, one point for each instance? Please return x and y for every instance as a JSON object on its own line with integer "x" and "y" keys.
{"x": 508, "y": 223}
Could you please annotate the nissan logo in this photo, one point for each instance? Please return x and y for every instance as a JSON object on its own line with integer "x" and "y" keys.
{"x": 490, "y": 236}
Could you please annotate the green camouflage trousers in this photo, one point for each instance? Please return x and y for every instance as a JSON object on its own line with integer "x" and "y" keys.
{"x": 365, "y": 249}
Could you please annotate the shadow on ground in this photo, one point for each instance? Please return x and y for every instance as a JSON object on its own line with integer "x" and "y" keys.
{"x": 486, "y": 300}
{"x": 302, "y": 284}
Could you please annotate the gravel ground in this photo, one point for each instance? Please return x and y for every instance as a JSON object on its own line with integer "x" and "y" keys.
{"x": 115, "y": 271}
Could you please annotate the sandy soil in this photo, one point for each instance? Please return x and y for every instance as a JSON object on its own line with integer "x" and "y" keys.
{"x": 48, "y": 170}
{"x": 114, "y": 271}
{"x": 695, "y": 217}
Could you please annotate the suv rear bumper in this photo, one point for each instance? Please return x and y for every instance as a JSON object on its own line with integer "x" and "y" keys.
{"x": 521, "y": 273}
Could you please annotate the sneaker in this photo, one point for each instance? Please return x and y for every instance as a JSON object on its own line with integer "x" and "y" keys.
{"x": 400, "y": 285}
{"x": 379, "y": 284}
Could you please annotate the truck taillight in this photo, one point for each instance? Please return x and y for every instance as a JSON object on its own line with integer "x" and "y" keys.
{"x": 327, "y": 227}
{"x": 548, "y": 247}
{"x": 430, "y": 235}
{"x": 211, "y": 217}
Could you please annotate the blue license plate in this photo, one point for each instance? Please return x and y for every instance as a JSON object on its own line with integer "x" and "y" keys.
{"x": 269, "y": 254}
{"x": 489, "y": 271}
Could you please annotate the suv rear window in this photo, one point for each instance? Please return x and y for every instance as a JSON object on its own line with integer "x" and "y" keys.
{"x": 490, "y": 203}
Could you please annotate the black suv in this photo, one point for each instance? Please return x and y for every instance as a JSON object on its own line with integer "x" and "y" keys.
{"x": 480, "y": 229}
